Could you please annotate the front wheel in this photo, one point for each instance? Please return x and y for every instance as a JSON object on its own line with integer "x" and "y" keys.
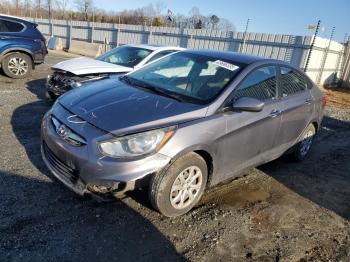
{"x": 303, "y": 147}
{"x": 178, "y": 189}
{"x": 17, "y": 65}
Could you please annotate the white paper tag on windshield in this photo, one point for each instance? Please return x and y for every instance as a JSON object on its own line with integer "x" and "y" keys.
{"x": 226, "y": 65}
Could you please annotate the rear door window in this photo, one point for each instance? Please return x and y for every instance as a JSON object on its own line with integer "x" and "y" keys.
{"x": 9, "y": 26}
{"x": 260, "y": 84}
{"x": 292, "y": 82}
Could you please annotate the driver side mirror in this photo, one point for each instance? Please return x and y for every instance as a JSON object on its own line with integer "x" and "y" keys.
{"x": 248, "y": 104}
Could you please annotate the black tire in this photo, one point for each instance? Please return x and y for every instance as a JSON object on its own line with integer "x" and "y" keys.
{"x": 162, "y": 182}
{"x": 299, "y": 153}
{"x": 27, "y": 65}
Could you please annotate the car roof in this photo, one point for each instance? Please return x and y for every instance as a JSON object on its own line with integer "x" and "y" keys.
{"x": 15, "y": 19}
{"x": 158, "y": 47}
{"x": 233, "y": 57}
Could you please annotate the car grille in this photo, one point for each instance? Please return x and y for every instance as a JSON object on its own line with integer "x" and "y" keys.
{"x": 60, "y": 167}
{"x": 66, "y": 133}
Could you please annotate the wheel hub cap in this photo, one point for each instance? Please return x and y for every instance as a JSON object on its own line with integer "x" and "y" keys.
{"x": 186, "y": 187}
{"x": 18, "y": 66}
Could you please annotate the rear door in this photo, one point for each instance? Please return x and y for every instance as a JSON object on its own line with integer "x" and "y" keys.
{"x": 296, "y": 105}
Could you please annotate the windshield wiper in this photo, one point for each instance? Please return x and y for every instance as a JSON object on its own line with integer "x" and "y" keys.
{"x": 126, "y": 79}
{"x": 164, "y": 93}
{"x": 150, "y": 87}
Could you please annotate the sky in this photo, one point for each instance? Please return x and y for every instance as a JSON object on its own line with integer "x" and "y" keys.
{"x": 269, "y": 16}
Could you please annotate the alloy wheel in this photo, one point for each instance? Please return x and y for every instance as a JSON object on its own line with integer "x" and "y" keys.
{"x": 18, "y": 66}
{"x": 186, "y": 187}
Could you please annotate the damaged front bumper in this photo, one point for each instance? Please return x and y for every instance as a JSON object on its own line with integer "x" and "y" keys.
{"x": 84, "y": 170}
{"x": 57, "y": 84}
{"x": 60, "y": 82}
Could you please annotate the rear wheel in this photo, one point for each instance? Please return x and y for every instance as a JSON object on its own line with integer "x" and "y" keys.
{"x": 17, "y": 65}
{"x": 178, "y": 189}
{"x": 303, "y": 147}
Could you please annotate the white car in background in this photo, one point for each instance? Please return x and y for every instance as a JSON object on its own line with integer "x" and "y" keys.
{"x": 121, "y": 60}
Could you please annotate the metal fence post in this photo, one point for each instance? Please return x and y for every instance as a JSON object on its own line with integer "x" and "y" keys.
{"x": 311, "y": 46}
{"x": 69, "y": 33}
{"x": 92, "y": 31}
{"x": 338, "y": 69}
{"x": 190, "y": 40}
{"x": 244, "y": 36}
{"x": 118, "y": 35}
{"x": 345, "y": 70}
{"x": 150, "y": 34}
{"x": 51, "y": 28}
{"x": 183, "y": 38}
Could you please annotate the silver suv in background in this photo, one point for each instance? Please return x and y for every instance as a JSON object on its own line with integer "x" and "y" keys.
{"x": 121, "y": 60}
{"x": 186, "y": 122}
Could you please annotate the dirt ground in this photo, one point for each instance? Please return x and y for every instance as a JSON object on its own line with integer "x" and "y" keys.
{"x": 338, "y": 99}
{"x": 282, "y": 211}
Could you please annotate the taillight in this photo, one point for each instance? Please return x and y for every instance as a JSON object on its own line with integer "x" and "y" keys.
{"x": 323, "y": 101}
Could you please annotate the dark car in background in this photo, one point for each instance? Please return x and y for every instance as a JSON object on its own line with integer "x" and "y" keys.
{"x": 22, "y": 46}
{"x": 182, "y": 123}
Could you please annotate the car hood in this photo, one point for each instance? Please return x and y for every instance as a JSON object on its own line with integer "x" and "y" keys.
{"x": 119, "y": 108}
{"x": 84, "y": 66}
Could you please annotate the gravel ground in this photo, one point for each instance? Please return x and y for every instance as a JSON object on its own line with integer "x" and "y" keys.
{"x": 282, "y": 211}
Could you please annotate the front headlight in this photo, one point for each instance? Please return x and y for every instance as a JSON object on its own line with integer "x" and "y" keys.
{"x": 136, "y": 145}
{"x": 75, "y": 84}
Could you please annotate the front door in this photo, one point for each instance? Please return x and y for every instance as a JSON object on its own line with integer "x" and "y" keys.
{"x": 249, "y": 135}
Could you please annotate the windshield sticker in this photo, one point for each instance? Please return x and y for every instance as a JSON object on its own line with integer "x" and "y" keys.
{"x": 226, "y": 65}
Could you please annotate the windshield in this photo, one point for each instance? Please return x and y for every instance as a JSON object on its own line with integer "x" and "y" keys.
{"x": 125, "y": 56}
{"x": 195, "y": 78}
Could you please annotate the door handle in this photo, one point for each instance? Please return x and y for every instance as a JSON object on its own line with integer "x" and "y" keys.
{"x": 275, "y": 113}
{"x": 308, "y": 101}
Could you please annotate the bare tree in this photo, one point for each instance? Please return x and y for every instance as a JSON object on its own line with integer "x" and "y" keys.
{"x": 61, "y": 7}
{"x": 17, "y": 4}
{"x": 27, "y": 7}
{"x": 149, "y": 13}
{"x": 196, "y": 19}
{"x": 226, "y": 25}
{"x": 84, "y": 6}
{"x": 152, "y": 14}
{"x": 49, "y": 8}
{"x": 159, "y": 8}
{"x": 38, "y": 7}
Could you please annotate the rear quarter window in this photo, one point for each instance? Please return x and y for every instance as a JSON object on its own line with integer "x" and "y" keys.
{"x": 292, "y": 82}
{"x": 10, "y": 27}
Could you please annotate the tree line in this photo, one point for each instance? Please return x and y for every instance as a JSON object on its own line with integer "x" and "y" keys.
{"x": 155, "y": 14}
